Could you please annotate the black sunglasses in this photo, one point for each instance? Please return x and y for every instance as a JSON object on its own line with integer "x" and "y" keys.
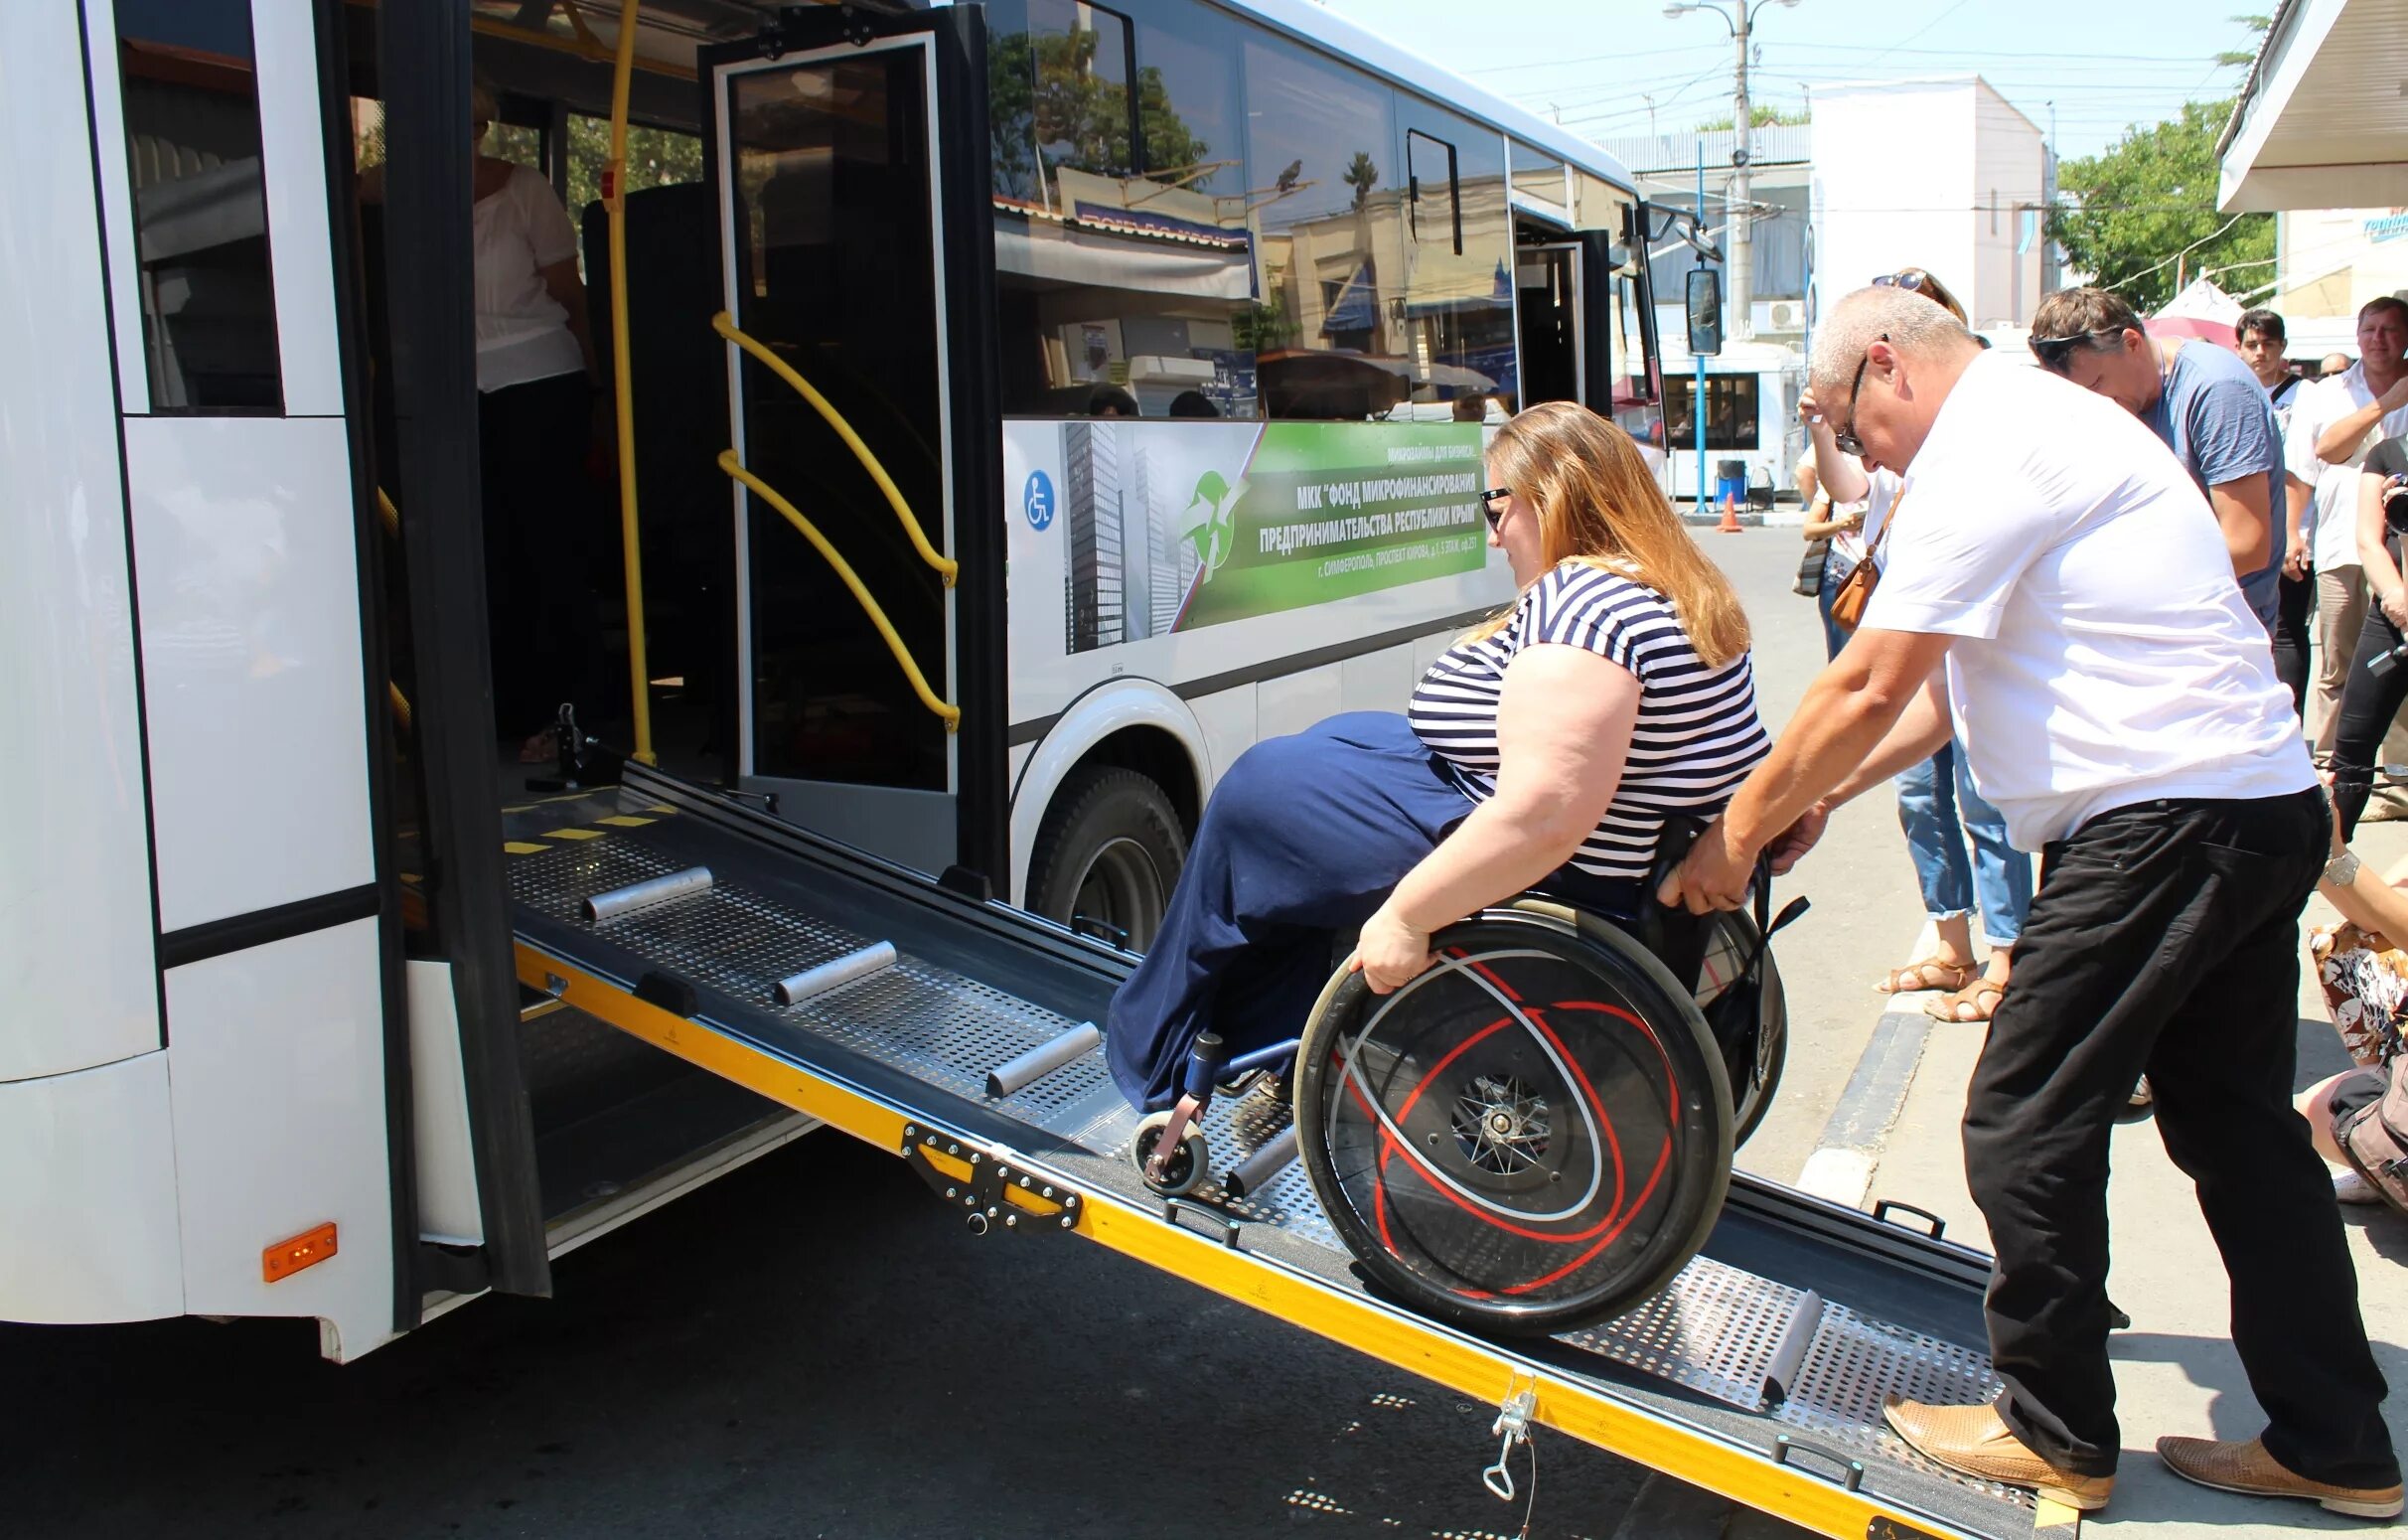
{"x": 1846, "y": 440}
{"x": 2052, "y": 351}
{"x": 1489, "y": 503}
{"x": 1911, "y": 282}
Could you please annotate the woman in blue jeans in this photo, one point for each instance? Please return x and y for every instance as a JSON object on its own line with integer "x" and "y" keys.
{"x": 1938, "y": 808}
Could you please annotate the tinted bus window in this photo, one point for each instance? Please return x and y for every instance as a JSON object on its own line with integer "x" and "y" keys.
{"x": 1459, "y": 337}
{"x": 1328, "y": 221}
{"x": 1730, "y": 411}
{"x": 1538, "y": 175}
{"x": 192, "y": 137}
{"x": 1123, "y": 274}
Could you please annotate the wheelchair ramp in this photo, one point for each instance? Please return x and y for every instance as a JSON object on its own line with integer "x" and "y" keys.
{"x": 882, "y": 1003}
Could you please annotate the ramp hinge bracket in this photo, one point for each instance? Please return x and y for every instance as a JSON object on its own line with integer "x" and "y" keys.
{"x": 987, "y": 1186}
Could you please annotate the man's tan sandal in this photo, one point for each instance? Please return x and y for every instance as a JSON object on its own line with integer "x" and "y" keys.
{"x": 2243, "y": 1466}
{"x": 1976, "y": 1440}
{"x": 1928, "y": 973}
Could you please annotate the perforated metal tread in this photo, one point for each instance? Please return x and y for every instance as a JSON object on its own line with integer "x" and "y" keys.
{"x": 1717, "y": 1331}
{"x": 918, "y": 1016}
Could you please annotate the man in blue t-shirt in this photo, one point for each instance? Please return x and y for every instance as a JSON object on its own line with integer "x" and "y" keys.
{"x": 2202, "y": 401}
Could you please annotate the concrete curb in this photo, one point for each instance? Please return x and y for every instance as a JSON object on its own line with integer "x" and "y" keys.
{"x": 1841, "y": 1167}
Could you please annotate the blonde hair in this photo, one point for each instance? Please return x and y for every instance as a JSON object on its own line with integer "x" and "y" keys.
{"x": 1597, "y": 503}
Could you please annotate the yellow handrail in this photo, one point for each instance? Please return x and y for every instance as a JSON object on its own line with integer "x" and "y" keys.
{"x": 389, "y": 514}
{"x": 725, "y": 325}
{"x": 877, "y": 617}
{"x": 614, "y": 202}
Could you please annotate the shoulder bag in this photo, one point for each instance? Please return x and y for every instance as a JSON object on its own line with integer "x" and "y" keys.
{"x": 1848, "y": 605}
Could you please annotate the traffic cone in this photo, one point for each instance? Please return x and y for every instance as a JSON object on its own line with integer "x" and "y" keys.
{"x": 1731, "y": 516}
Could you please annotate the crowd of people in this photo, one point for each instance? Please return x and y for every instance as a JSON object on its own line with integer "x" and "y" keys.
{"x": 2069, "y": 615}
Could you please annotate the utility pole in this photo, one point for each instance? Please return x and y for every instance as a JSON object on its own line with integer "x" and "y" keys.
{"x": 1740, "y": 18}
{"x": 1742, "y": 248}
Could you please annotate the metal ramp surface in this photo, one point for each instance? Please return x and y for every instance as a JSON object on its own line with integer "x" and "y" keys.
{"x": 1759, "y": 1373}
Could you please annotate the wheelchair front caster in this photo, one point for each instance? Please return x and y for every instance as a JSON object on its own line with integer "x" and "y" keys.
{"x": 1184, "y": 1166}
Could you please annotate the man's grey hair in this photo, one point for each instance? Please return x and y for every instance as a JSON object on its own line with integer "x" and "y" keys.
{"x": 1912, "y": 324}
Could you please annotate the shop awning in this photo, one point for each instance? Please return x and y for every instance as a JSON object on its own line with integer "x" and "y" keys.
{"x": 2322, "y": 120}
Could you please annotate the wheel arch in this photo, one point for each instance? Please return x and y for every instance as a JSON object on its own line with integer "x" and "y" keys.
{"x": 1135, "y": 724}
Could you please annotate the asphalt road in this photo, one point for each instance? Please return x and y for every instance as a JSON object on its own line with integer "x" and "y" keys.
{"x": 813, "y": 1346}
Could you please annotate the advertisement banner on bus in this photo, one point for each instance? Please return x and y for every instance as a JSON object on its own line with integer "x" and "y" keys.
{"x": 1173, "y": 527}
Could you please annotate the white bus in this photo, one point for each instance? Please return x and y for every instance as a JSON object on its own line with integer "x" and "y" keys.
{"x": 1147, "y": 350}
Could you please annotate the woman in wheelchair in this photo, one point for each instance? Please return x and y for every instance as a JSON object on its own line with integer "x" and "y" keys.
{"x": 1545, "y": 751}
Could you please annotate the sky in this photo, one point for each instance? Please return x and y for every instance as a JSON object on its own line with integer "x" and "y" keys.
{"x": 1592, "y": 63}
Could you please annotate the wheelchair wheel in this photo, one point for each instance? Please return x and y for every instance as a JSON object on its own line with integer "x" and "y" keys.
{"x": 1533, "y": 1135}
{"x": 1754, "y": 1038}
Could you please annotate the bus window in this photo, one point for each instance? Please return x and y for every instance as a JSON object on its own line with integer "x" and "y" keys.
{"x": 656, "y": 157}
{"x": 1538, "y": 175}
{"x": 1327, "y": 201}
{"x": 1121, "y": 273}
{"x": 1458, "y": 268}
{"x": 520, "y": 142}
{"x": 1731, "y": 411}
{"x": 1058, "y": 75}
{"x": 192, "y": 136}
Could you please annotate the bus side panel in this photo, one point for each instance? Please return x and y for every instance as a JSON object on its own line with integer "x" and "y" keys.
{"x": 87, "y": 1194}
{"x": 251, "y": 652}
{"x": 279, "y": 1059}
{"x": 77, "y": 967}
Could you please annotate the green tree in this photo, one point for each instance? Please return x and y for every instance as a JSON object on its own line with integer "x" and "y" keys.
{"x": 1361, "y": 175}
{"x": 2142, "y": 215}
{"x": 656, "y": 157}
{"x": 1045, "y": 95}
{"x": 1761, "y": 115}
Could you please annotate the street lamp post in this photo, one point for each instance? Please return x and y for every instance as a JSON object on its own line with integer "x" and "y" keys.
{"x": 1740, "y": 18}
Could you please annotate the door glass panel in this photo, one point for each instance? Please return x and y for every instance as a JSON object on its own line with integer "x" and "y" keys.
{"x": 836, "y": 270}
{"x": 1550, "y": 324}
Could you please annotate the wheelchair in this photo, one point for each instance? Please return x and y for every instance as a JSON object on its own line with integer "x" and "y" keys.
{"x": 1536, "y": 1134}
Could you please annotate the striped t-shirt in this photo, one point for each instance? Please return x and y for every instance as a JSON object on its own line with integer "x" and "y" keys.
{"x": 1696, "y": 734}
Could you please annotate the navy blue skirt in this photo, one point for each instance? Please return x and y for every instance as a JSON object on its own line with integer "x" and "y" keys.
{"x": 1300, "y": 843}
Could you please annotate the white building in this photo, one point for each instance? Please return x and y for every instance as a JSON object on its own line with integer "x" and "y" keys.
{"x": 1751, "y": 387}
{"x": 2327, "y": 262}
{"x": 1942, "y": 174}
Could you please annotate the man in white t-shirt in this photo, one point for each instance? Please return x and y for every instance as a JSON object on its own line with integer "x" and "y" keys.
{"x": 2057, "y": 588}
{"x": 2334, "y": 423}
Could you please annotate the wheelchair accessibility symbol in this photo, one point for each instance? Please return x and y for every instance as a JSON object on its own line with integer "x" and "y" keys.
{"x": 1037, "y": 500}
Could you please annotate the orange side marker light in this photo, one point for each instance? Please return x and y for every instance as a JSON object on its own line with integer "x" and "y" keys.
{"x": 306, "y": 1250}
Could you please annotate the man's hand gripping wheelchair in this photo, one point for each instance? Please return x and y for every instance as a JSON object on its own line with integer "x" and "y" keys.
{"x": 1537, "y": 1132}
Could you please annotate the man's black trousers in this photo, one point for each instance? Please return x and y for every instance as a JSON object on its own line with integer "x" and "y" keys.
{"x": 2165, "y": 938}
{"x": 2370, "y": 703}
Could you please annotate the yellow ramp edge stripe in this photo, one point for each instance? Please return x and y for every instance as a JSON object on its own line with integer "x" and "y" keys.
{"x": 624, "y": 821}
{"x": 1436, "y": 1353}
{"x": 573, "y": 833}
{"x": 523, "y": 848}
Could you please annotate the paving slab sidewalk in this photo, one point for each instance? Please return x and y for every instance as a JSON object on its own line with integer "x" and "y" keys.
{"x": 2176, "y": 1370}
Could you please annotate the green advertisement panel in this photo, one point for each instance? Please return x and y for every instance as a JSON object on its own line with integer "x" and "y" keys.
{"x": 1328, "y": 510}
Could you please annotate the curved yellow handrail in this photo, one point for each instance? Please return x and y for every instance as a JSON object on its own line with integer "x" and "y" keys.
{"x": 877, "y": 617}
{"x": 623, "y": 380}
{"x": 725, "y": 325}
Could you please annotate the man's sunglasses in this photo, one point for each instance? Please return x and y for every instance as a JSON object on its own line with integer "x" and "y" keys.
{"x": 1911, "y": 282}
{"x": 2052, "y": 351}
{"x": 1846, "y": 440}
{"x": 1488, "y": 504}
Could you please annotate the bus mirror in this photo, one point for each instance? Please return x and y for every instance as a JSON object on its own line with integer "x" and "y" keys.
{"x": 1705, "y": 312}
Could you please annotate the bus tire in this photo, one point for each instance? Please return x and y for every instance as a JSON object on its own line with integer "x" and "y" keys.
{"x": 1108, "y": 855}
